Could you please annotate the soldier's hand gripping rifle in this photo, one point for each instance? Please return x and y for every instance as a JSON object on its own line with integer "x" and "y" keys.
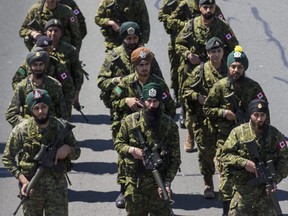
{"x": 151, "y": 160}
{"x": 34, "y": 24}
{"x": 266, "y": 175}
{"x": 46, "y": 160}
{"x": 241, "y": 117}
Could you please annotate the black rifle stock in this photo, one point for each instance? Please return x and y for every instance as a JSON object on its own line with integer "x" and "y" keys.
{"x": 79, "y": 108}
{"x": 136, "y": 87}
{"x": 45, "y": 158}
{"x": 266, "y": 176}
{"x": 241, "y": 117}
{"x": 151, "y": 160}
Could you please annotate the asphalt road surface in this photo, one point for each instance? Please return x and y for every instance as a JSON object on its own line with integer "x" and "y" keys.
{"x": 261, "y": 28}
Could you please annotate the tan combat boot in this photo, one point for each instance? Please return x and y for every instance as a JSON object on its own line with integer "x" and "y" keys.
{"x": 209, "y": 187}
{"x": 189, "y": 143}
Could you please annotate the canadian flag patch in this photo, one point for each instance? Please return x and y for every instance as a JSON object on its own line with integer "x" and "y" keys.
{"x": 260, "y": 95}
{"x": 281, "y": 145}
{"x": 72, "y": 19}
{"x": 76, "y": 11}
{"x": 63, "y": 76}
{"x": 165, "y": 95}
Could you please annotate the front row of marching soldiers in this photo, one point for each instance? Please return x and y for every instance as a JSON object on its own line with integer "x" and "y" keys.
{"x": 225, "y": 112}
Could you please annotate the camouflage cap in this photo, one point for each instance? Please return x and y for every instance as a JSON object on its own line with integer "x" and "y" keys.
{"x": 141, "y": 53}
{"x": 213, "y": 43}
{"x": 206, "y": 2}
{"x": 238, "y": 56}
{"x": 129, "y": 28}
{"x": 43, "y": 41}
{"x": 257, "y": 105}
{"x": 38, "y": 55}
{"x": 37, "y": 96}
{"x": 53, "y": 22}
{"x": 152, "y": 90}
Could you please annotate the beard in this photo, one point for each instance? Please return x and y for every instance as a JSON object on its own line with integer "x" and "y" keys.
{"x": 152, "y": 117}
{"x": 258, "y": 127}
{"x": 38, "y": 74}
{"x": 41, "y": 120}
{"x": 130, "y": 47}
{"x": 208, "y": 16}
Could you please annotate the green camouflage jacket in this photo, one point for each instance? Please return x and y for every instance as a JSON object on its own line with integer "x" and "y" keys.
{"x": 69, "y": 54}
{"x": 236, "y": 154}
{"x": 200, "y": 82}
{"x": 18, "y": 110}
{"x": 123, "y": 11}
{"x": 217, "y": 101}
{"x": 124, "y": 90}
{"x": 166, "y": 141}
{"x": 57, "y": 69}
{"x": 118, "y": 63}
{"x": 25, "y": 142}
{"x": 185, "y": 11}
{"x": 71, "y": 32}
{"x": 194, "y": 36}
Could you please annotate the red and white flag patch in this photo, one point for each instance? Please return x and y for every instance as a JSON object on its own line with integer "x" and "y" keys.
{"x": 228, "y": 36}
{"x": 282, "y": 144}
{"x": 63, "y": 76}
{"x": 260, "y": 95}
{"x": 72, "y": 19}
{"x": 76, "y": 11}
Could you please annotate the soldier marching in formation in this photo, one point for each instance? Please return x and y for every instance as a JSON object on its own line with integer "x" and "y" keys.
{"x": 225, "y": 112}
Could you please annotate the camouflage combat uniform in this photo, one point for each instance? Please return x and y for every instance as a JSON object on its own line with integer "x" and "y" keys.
{"x": 68, "y": 54}
{"x": 245, "y": 90}
{"x": 56, "y": 69}
{"x": 18, "y": 110}
{"x": 204, "y": 135}
{"x": 78, "y": 13}
{"x": 193, "y": 38}
{"x": 141, "y": 189}
{"x": 185, "y": 11}
{"x": 70, "y": 34}
{"x": 120, "y": 109}
{"x": 251, "y": 200}
{"x": 118, "y": 63}
{"x": 25, "y": 142}
{"x": 120, "y": 12}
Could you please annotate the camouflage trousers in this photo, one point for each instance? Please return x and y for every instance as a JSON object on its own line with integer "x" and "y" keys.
{"x": 174, "y": 59}
{"x": 248, "y": 201}
{"x": 141, "y": 202}
{"x": 121, "y": 177}
{"x": 49, "y": 197}
{"x": 225, "y": 184}
{"x": 206, "y": 145}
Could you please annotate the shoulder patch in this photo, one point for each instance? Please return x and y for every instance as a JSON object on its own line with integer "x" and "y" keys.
{"x": 117, "y": 90}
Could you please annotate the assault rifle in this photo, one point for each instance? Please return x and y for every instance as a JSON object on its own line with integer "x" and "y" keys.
{"x": 266, "y": 172}
{"x": 79, "y": 108}
{"x": 201, "y": 77}
{"x": 151, "y": 161}
{"x": 45, "y": 158}
{"x": 34, "y": 24}
{"x": 136, "y": 87}
{"x": 115, "y": 15}
{"x": 241, "y": 117}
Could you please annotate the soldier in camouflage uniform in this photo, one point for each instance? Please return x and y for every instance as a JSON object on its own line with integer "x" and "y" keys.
{"x": 226, "y": 106}
{"x": 127, "y": 95}
{"x": 68, "y": 54}
{"x": 195, "y": 90}
{"x": 25, "y": 141}
{"x": 112, "y": 13}
{"x": 190, "y": 42}
{"x": 17, "y": 110}
{"x": 254, "y": 199}
{"x": 55, "y": 68}
{"x": 51, "y": 9}
{"x": 118, "y": 64}
{"x": 161, "y": 135}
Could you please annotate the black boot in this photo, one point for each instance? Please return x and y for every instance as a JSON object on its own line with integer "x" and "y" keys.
{"x": 120, "y": 201}
{"x": 182, "y": 118}
{"x": 226, "y": 205}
